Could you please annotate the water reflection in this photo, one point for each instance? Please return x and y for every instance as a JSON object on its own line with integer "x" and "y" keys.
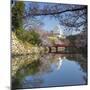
{"x": 49, "y": 70}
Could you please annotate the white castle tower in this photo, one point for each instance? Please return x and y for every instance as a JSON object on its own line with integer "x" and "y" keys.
{"x": 61, "y": 34}
{"x": 58, "y": 32}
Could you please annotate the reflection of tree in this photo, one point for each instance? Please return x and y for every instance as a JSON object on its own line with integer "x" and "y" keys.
{"x": 79, "y": 59}
{"x": 35, "y": 81}
{"x": 42, "y": 66}
{"x": 82, "y": 62}
{"x": 28, "y": 69}
{"x": 35, "y": 69}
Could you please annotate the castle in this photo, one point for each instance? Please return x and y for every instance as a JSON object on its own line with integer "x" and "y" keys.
{"x": 58, "y": 32}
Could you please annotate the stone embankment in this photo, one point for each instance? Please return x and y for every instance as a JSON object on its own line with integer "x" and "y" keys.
{"x": 20, "y": 48}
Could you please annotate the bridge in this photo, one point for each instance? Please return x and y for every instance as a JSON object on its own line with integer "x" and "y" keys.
{"x": 61, "y": 47}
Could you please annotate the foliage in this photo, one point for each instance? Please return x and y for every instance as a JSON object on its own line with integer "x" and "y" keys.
{"x": 17, "y": 15}
{"x": 28, "y": 36}
{"x": 72, "y": 39}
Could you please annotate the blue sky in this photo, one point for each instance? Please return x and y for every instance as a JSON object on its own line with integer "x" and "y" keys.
{"x": 49, "y": 23}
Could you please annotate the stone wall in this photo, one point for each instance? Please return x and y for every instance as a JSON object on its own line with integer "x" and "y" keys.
{"x": 20, "y": 48}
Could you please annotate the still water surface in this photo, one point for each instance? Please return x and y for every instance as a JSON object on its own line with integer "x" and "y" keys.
{"x": 34, "y": 71}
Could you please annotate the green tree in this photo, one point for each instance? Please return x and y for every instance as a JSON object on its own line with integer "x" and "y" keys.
{"x": 17, "y": 15}
{"x": 28, "y": 36}
{"x": 35, "y": 38}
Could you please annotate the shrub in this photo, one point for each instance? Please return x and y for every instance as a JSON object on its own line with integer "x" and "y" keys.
{"x": 28, "y": 36}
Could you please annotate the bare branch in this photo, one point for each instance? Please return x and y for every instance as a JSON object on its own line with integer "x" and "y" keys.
{"x": 54, "y": 13}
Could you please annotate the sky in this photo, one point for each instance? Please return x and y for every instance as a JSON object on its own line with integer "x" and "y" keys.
{"x": 50, "y": 23}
